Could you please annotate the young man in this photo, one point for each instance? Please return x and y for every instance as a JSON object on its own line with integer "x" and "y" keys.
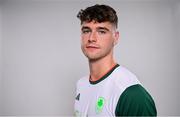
{"x": 110, "y": 89}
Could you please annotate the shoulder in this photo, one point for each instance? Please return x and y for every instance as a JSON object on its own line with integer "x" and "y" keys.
{"x": 136, "y": 101}
{"x": 124, "y": 78}
{"x": 124, "y": 72}
{"x": 83, "y": 80}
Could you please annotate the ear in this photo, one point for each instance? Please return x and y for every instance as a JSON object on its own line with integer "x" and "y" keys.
{"x": 116, "y": 37}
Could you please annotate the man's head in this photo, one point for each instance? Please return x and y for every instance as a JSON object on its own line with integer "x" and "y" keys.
{"x": 98, "y": 13}
{"x": 98, "y": 31}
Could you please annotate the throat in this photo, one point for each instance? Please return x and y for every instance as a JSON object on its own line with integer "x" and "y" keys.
{"x": 97, "y": 73}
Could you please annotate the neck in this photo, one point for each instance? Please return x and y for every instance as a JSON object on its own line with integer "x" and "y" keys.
{"x": 98, "y": 68}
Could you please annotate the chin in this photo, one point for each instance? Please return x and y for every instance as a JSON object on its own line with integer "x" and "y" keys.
{"x": 93, "y": 58}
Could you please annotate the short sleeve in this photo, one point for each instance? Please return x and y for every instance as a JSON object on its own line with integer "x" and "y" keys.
{"x": 135, "y": 101}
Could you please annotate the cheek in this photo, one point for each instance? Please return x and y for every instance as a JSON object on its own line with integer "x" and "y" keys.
{"x": 107, "y": 42}
{"x": 82, "y": 46}
{"x": 83, "y": 38}
{"x": 83, "y": 42}
{"x": 108, "y": 45}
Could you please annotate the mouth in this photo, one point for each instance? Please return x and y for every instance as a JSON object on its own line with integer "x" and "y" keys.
{"x": 92, "y": 47}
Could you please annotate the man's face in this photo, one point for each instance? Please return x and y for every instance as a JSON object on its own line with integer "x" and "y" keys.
{"x": 98, "y": 39}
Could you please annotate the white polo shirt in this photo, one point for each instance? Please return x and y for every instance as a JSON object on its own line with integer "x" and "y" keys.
{"x": 112, "y": 95}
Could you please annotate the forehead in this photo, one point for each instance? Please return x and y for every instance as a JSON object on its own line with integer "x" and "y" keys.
{"x": 94, "y": 24}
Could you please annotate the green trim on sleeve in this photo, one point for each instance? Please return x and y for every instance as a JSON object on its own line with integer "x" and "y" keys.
{"x": 135, "y": 101}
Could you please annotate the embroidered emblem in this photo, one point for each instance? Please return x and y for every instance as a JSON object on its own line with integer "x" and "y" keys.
{"x": 100, "y": 104}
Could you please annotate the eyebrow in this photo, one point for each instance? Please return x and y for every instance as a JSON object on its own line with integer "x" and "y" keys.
{"x": 103, "y": 28}
{"x": 98, "y": 28}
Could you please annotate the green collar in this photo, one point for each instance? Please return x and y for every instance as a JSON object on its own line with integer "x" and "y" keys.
{"x": 105, "y": 76}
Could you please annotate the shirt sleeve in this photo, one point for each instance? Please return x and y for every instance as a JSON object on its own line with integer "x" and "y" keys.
{"x": 135, "y": 101}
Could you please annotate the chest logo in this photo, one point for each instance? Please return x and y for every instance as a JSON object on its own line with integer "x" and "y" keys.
{"x": 100, "y": 104}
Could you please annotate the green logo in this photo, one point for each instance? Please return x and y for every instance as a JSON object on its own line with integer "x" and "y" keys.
{"x": 100, "y": 104}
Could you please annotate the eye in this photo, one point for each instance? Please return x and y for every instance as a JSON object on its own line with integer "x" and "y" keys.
{"x": 85, "y": 31}
{"x": 102, "y": 32}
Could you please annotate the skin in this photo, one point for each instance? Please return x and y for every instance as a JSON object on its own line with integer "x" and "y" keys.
{"x": 97, "y": 43}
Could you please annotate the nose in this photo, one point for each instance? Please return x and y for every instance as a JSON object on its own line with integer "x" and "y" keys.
{"x": 92, "y": 37}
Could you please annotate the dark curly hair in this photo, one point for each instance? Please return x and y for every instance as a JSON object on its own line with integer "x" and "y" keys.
{"x": 98, "y": 13}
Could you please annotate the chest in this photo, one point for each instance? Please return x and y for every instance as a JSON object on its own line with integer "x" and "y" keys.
{"x": 97, "y": 100}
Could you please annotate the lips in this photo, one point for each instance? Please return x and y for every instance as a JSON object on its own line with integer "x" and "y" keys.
{"x": 92, "y": 46}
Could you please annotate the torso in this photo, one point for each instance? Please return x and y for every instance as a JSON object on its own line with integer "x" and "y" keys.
{"x": 100, "y": 98}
